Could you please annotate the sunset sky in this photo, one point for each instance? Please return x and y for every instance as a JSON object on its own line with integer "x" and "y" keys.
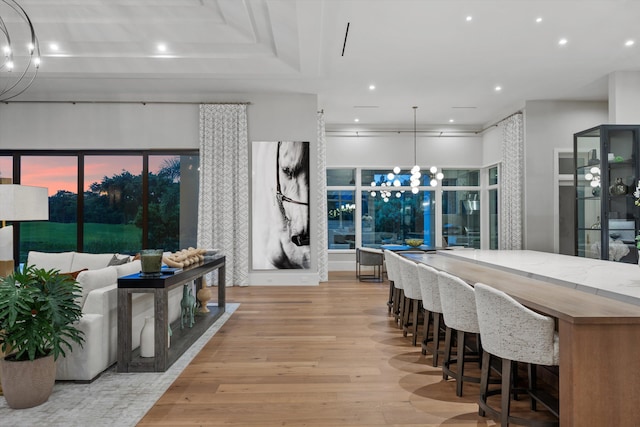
{"x": 60, "y": 172}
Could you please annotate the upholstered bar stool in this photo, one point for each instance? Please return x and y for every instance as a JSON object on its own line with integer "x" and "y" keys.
{"x": 393, "y": 268}
{"x": 413, "y": 295}
{"x": 459, "y": 312}
{"x": 514, "y": 333}
{"x": 430, "y": 292}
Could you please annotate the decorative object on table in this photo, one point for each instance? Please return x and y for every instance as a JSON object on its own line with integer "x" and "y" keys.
{"x": 204, "y": 295}
{"x": 619, "y": 188}
{"x": 151, "y": 262}
{"x": 148, "y": 337}
{"x": 618, "y": 159}
{"x": 636, "y": 194}
{"x": 185, "y": 257}
{"x": 188, "y": 305}
{"x": 414, "y": 243}
{"x": 38, "y": 313}
{"x": 596, "y": 225}
{"x": 593, "y": 157}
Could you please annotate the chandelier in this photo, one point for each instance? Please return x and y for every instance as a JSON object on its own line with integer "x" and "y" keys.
{"x": 19, "y": 49}
{"x": 394, "y": 178}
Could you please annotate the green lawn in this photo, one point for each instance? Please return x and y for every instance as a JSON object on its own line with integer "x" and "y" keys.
{"x": 98, "y": 238}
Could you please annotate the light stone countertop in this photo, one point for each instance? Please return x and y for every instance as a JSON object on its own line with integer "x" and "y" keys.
{"x": 616, "y": 280}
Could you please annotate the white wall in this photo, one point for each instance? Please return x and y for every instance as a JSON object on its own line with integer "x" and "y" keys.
{"x": 112, "y": 126}
{"x": 550, "y": 125}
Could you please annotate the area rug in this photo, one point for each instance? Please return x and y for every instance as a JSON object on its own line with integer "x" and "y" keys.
{"x": 113, "y": 399}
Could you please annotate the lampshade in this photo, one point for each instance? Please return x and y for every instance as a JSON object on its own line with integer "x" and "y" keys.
{"x": 23, "y": 203}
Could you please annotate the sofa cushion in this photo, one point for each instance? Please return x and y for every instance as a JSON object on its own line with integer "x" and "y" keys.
{"x": 95, "y": 279}
{"x": 91, "y": 261}
{"x": 52, "y": 261}
{"x": 128, "y": 268}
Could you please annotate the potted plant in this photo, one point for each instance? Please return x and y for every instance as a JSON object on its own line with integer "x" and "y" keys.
{"x": 38, "y": 311}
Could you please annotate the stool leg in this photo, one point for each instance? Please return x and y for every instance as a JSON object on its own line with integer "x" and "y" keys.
{"x": 460, "y": 363}
{"x": 447, "y": 353}
{"x": 485, "y": 374}
{"x": 533, "y": 384}
{"x": 390, "y": 302}
{"x": 506, "y": 392}
{"x": 436, "y": 337}
{"x": 428, "y": 319}
{"x": 414, "y": 322}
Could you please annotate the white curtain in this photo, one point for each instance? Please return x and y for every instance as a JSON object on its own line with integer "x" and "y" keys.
{"x": 511, "y": 182}
{"x": 321, "y": 201}
{"x": 223, "y": 208}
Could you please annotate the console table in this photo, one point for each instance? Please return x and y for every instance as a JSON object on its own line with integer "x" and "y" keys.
{"x": 129, "y": 360}
{"x": 599, "y": 337}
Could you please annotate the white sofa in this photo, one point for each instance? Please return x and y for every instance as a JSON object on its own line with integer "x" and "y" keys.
{"x": 99, "y": 304}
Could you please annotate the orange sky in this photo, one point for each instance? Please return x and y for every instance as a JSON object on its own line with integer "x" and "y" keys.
{"x": 60, "y": 172}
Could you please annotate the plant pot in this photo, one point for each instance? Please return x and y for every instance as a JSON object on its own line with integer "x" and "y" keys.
{"x": 27, "y": 383}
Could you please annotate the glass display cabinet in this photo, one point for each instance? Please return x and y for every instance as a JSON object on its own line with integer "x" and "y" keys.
{"x": 606, "y": 175}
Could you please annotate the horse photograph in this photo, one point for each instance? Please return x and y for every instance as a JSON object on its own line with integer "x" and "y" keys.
{"x": 280, "y": 204}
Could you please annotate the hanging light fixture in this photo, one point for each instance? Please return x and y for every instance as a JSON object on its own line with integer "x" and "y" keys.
{"x": 19, "y": 48}
{"x": 392, "y": 179}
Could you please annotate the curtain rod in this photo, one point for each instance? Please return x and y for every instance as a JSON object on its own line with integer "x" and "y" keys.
{"x": 448, "y": 133}
{"x": 127, "y": 102}
{"x": 500, "y": 121}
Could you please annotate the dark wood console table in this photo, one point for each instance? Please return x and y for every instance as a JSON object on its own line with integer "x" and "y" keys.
{"x": 182, "y": 339}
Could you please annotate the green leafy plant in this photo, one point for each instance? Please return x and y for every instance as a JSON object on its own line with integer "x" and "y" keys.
{"x": 38, "y": 313}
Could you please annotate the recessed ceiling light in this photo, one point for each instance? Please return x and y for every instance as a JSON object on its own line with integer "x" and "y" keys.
{"x": 451, "y": 120}
{"x": 562, "y": 42}
{"x": 498, "y": 88}
{"x": 629, "y": 43}
{"x": 54, "y": 46}
{"x": 372, "y": 87}
{"x": 538, "y": 19}
{"x": 469, "y": 18}
{"x": 161, "y": 47}
{"x": 356, "y": 120}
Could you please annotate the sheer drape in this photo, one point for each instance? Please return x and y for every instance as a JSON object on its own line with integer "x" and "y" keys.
{"x": 321, "y": 200}
{"x": 223, "y": 208}
{"x": 511, "y": 182}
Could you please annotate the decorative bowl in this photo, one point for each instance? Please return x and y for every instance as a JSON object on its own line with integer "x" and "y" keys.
{"x": 414, "y": 243}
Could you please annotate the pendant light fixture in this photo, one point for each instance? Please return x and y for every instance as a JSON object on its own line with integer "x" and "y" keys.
{"x": 415, "y": 170}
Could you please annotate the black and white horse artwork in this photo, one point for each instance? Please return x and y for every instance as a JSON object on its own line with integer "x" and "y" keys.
{"x": 281, "y": 206}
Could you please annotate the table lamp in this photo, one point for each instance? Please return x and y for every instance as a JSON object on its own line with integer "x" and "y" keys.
{"x": 18, "y": 203}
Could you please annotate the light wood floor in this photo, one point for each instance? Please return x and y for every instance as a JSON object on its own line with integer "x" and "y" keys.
{"x": 313, "y": 356}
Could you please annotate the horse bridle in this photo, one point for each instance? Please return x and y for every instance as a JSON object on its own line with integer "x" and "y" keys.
{"x": 298, "y": 240}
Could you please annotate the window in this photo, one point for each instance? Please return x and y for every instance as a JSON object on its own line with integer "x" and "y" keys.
{"x": 341, "y": 219}
{"x": 461, "y": 218}
{"x": 127, "y": 201}
{"x": 461, "y": 178}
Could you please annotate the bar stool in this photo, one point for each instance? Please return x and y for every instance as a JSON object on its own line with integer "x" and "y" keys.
{"x": 430, "y": 292}
{"x": 398, "y": 293}
{"x": 514, "y": 333}
{"x": 411, "y": 285}
{"x": 459, "y": 312}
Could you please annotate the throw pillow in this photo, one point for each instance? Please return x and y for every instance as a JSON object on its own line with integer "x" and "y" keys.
{"x": 118, "y": 261}
{"x": 74, "y": 274}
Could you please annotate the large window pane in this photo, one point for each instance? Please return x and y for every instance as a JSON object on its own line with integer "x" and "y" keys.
{"x": 404, "y": 216}
{"x": 172, "y": 223}
{"x": 341, "y": 177}
{"x": 493, "y": 175}
{"x": 461, "y": 177}
{"x": 6, "y": 169}
{"x": 60, "y": 175}
{"x": 340, "y": 219}
{"x": 112, "y": 203}
{"x": 493, "y": 219}
{"x": 461, "y": 218}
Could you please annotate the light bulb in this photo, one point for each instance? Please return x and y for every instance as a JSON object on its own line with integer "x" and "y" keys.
{"x": 386, "y": 199}
{"x": 595, "y": 183}
{"x": 415, "y": 190}
{"x": 434, "y": 169}
{"x": 415, "y": 169}
{"x": 7, "y": 50}
{"x": 396, "y": 182}
{"x": 398, "y": 195}
{"x": 595, "y": 170}
{"x": 588, "y": 177}
{"x": 439, "y": 176}
{"x": 396, "y": 170}
{"x": 434, "y": 182}
{"x": 390, "y": 176}
{"x": 373, "y": 194}
{"x": 373, "y": 183}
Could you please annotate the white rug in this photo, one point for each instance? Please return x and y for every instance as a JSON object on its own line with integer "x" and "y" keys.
{"x": 111, "y": 400}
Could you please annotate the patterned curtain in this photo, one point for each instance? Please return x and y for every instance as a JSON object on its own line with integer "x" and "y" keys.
{"x": 321, "y": 199}
{"x": 223, "y": 209}
{"x": 511, "y": 182}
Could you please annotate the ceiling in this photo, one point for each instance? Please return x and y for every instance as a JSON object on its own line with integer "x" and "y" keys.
{"x": 421, "y": 53}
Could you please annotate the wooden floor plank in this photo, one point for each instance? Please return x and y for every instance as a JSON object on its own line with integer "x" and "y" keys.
{"x": 313, "y": 356}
